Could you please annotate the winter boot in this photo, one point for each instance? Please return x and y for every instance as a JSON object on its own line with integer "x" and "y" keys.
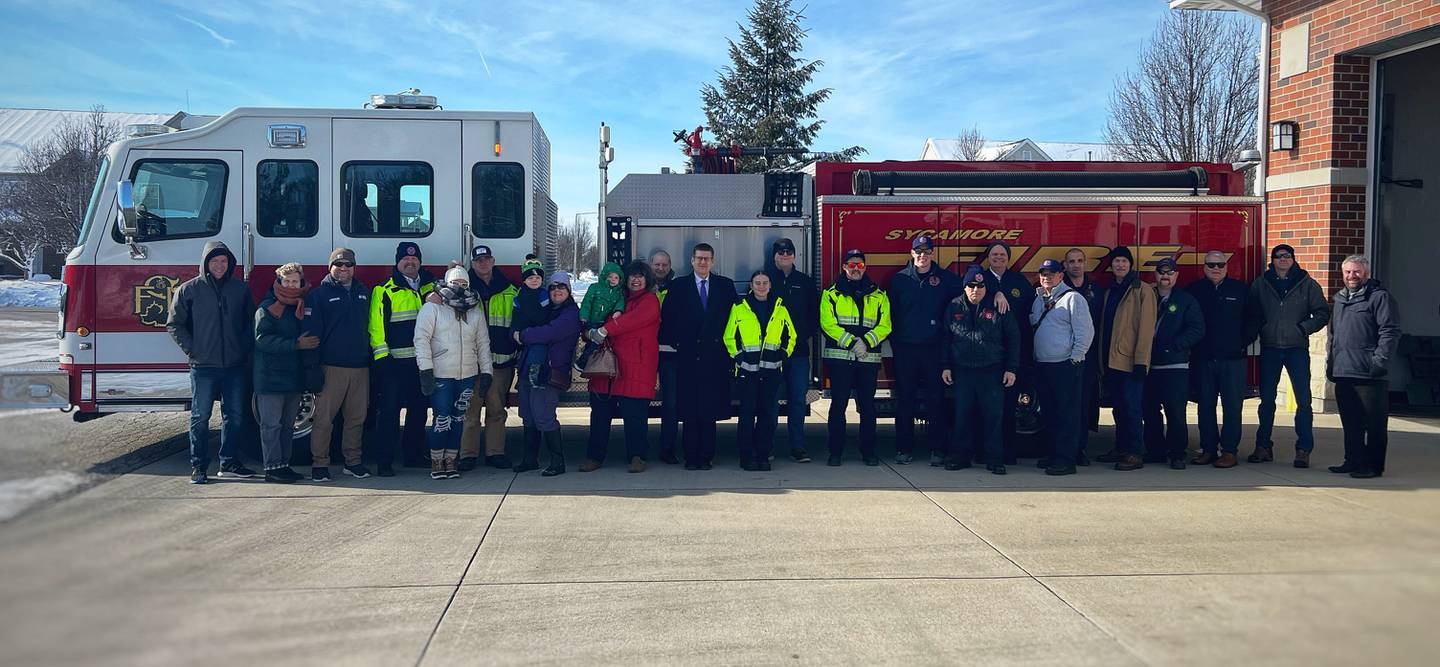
{"x": 437, "y": 464}
{"x": 531, "y": 460}
{"x": 451, "y": 471}
{"x": 556, "y": 446}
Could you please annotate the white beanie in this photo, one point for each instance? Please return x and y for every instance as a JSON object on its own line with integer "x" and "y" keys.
{"x": 456, "y": 273}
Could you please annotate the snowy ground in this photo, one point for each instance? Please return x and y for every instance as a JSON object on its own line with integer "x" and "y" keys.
{"x": 27, "y": 336}
{"x": 29, "y": 294}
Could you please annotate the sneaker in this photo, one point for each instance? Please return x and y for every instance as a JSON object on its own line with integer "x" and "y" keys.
{"x": 998, "y": 468}
{"x": 198, "y": 476}
{"x": 834, "y": 460}
{"x": 872, "y": 460}
{"x": 903, "y": 459}
{"x": 468, "y": 463}
{"x": 235, "y": 469}
{"x": 385, "y": 471}
{"x": 320, "y": 474}
{"x": 278, "y": 476}
{"x": 496, "y": 461}
{"x": 1058, "y": 470}
{"x": 937, "y": 459}
{"x": 290, "y": 472}
{"x": 358, "y": 471}
{"x": 800, "y": 455}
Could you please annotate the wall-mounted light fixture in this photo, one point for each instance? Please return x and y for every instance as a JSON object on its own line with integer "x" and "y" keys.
{"x": 1282, "y": 135}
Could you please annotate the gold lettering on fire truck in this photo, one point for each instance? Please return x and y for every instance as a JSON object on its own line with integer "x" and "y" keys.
{"x": 152, "y": 300}
{"x": 956, "y": 234}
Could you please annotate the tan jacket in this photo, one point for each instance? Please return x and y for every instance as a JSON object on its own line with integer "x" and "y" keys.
{"x": 1134, "y": 331}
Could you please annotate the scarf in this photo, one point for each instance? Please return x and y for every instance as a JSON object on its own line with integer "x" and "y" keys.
{"x": 289, "y": 296}
{"x": 462, "y": 300}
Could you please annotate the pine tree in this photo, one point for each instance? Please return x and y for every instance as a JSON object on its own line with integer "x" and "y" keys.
{"x": 760, "y": 97}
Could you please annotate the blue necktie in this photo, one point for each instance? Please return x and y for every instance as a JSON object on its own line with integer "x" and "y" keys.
{"x": 704, "y": 294}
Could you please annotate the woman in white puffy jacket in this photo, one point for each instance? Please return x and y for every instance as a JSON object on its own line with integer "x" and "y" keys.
{"x": 452, "y": 347}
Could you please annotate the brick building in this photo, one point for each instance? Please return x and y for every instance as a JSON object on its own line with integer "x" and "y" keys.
{"x": 1358, "y": 83}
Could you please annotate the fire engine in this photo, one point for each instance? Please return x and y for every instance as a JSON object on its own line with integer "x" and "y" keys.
{"x": 279, "y": 185}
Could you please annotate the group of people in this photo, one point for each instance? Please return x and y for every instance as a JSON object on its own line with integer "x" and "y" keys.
{"x": 457, "y": 346}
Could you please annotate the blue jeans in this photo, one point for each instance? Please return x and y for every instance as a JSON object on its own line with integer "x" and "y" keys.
{"x": 1127, "y": 391}
{"x": 207, "y": 385}
{"x": 797, "y": 388}
{"x": 449, "y": 402}
{"x": 1222, "y": 379}
{"x": 1295, "y": 361}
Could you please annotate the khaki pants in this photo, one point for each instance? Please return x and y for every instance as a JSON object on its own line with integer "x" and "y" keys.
{"x": 347, "y": 391}
{"x": 494, "y": 405}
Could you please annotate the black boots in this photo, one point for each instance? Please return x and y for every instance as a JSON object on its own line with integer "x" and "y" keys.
{"x": 555, "y": 446}
{"x": 531, "y": 460}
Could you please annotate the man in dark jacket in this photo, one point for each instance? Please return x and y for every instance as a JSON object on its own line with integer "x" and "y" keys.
{"x": 1290, "y": 308}
{"x": 339, "y": 315}
{"x": 1178, "y": 327}
{"x": 1218, "y": 360}
{"x": 1364, "y": 332}
{"x": 1077, "y": 278}
{"x": 693, "y": 322}
{"x": 919, "y": 295}
{"x": 981, "y": 358}
{"x": 394, "y": 306}
{"x": 800, "y": 296}
{"x": 497, "y": 298}
{"x": 211, "y": 316}
{"x": 1011, "y": 294}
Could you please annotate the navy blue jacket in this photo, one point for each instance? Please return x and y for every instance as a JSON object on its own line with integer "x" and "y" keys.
{"x": 802, "y": 299}
{"x": 980, "y": 337}
{"x": 1364, "y": 333}
{"x": 1017, "y": 290}
{"x": 918, "y": 302}
{"x": 340, "y": 317}
{"x": 1228, "y": 305}
{"x": 1178, "y": 327}
{"x": 1094, "y": 295}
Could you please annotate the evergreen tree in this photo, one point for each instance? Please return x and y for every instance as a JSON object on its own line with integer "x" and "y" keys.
{"x": 760, "y": 97}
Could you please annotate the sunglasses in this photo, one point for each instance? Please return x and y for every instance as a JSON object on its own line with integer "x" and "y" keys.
{"x": 975, "y": 286}
{"x": 559, "y": 286}
{"x": 1215, "y": 265}
{"x": 854, "y": 265}
{"x": 1283, "y": 255}
{"x": 784, "y": 251}
{"x": 344, "y": 265}
{"x": 1165, "y": 273}
{"x": 924, "y": 251}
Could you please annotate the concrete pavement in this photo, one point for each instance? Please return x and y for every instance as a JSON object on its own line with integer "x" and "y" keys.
{"x": 803, "y": 565}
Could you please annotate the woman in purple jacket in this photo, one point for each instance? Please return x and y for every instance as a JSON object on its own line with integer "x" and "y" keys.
{"x": 548, "y": 345}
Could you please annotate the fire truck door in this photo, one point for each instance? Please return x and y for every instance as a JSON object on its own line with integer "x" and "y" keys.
{"x": 185, "y": 199}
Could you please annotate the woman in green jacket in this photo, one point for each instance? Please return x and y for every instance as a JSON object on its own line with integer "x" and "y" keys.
{"x": 759, "y": 336}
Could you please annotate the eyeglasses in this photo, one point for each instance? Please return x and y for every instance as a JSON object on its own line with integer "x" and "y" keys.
{"x": 1214, "y": 265}
{"x": 854, "y": 265}
{"x": 784, "y": 251}
{"x": 1283, "y": 255}
{"x": 344, "y": 265}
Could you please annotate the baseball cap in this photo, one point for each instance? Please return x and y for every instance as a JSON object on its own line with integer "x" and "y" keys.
{"x": 481, "y": 251}
{"x": 1051, "y": 266}
{"x": 923, "y": 241}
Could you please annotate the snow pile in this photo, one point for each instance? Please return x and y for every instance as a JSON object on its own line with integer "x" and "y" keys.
{"x": 18, "y": 495}
{"x": 580, "y": 285}
{"x": 29, "y": 294}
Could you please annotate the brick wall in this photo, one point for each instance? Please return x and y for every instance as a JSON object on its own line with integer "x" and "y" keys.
{"x": 1330, "y": 102}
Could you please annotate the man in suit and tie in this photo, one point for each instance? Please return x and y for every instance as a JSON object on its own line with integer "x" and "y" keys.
{"x": 692, "y": 321}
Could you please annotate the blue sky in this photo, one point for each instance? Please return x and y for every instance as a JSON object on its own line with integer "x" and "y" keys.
{"x": 901, "y": 70}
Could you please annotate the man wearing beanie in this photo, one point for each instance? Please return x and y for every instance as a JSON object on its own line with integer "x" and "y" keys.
{"x": 798, "y": 290}
{"x": 1011, "y": 294}
{"x": 394, "y": 306}
{"x": 1291, "y": 308}
{"x": 919, "y": 295}
{"x": 1127, "y": 328}
{"x": 339, "y": 314}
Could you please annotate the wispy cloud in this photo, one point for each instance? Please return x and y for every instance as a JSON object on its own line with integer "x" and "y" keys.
{"x": 224, "y": 41}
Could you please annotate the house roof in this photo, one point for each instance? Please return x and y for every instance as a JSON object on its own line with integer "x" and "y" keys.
{"x": 1248, "y": 6}
{"x": 22, "y": 128}
{"x": 1013, "y": 149}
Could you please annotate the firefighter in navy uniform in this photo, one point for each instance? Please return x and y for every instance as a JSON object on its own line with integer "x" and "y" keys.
{"x": 1011, "y": 294}
{"x": 919, "y": 295}
{"x": 394, "y": 306}
{"x": 1077, "y": 279}
{"x": 1178, "y": 327}
{"x": 980, "y": 362}
{"x": 855, "y": 318}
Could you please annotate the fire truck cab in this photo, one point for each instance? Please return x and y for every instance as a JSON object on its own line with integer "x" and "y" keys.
{"x": 277, "y": 186}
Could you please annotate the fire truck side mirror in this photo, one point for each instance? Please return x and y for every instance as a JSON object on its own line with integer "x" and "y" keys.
{"x": 125, "y": 200}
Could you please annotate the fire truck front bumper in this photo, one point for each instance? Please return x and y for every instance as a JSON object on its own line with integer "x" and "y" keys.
{"x": 31, "y": 386}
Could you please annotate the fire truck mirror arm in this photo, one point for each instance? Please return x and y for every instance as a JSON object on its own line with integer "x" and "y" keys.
{"x": 127, "y": 220}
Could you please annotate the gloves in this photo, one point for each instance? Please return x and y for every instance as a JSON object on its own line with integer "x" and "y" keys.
{"x": 597, "y": 335}
{"x": 484, "y": 383}
{"x": 860, "y": 347}
{"x": 427, "y": 382}
{"x": 1140, "y": 371}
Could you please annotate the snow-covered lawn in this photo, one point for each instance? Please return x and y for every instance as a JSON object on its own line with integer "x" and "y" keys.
{"x": 29, "y": 294}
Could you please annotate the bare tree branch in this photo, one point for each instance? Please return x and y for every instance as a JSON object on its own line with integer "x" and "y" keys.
{"x": 971, "y": 143}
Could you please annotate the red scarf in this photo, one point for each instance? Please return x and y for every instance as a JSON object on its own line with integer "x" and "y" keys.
{"x": 289, "y": 296}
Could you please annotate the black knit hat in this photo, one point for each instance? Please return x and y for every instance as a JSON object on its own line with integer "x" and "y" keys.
{"x": 1283, "y": 246}
{"x": 407, "y": 249}
{"x": 1120, "y": 251}
{"x": 998, "y": 244}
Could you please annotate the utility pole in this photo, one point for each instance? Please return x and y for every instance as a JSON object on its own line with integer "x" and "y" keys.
{"x": 607, "y": 155}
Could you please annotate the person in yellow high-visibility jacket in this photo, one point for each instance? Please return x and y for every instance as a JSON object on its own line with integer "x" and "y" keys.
{"x": 394, "y": 306}
{"x": 855, "y": 318}
{"x": 759, "y": 336}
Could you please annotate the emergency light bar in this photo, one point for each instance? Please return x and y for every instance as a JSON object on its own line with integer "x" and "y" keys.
{"x": 402, "y": 101}
{"x": 146, "y": 130}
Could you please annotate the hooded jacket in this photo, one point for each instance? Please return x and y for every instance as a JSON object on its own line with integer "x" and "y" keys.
{"x": 601, "y": 299}
{"x": 1364, "y": 332}
{"x": 918, "y": 302}
{"x": 1065, "y": 332}
{"x": 1290, "y": 310}
{"x": 211, "y": 319}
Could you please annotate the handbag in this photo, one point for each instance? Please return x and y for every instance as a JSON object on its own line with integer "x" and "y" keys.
{"x": 602, "y": 364}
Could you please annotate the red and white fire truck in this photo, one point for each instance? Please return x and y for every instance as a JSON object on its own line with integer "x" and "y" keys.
{"x": 279, "y": 185}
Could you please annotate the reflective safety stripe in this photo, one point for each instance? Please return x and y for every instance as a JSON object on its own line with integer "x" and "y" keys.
{"x": 497, "y": 359}
{"x": 500, "y": 320}
{"x": 381, "y": 351}
{"x": 403, "y": 353}
{"x": 404, "y": 315}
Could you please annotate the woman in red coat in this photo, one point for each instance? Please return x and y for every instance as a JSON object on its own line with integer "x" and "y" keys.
{"x": 632, "y": 333}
